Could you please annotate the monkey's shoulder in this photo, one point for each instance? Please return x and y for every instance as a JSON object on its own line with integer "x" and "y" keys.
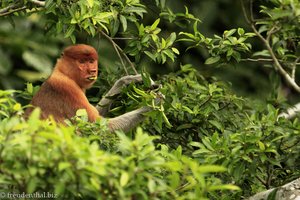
{"x": 61, "y": 86}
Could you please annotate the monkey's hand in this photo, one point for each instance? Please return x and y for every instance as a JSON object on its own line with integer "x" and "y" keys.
{"x": 105, "y": 103}
{"x": 126, "y": 80}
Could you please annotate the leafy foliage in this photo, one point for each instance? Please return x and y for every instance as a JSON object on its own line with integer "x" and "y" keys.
{"x": 38, "y": 156}
{"x": 226, "y": 47}
{"x": 88, "y": 15}
{"x": 217, "y": 127}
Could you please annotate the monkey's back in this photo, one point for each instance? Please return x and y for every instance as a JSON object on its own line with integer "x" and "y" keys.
{"x": 58, "y": 97}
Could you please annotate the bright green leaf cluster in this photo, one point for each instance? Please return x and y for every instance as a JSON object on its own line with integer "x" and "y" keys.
{"x": 149, "y": 42}
{"x": 8, "y": 105}
{"x": 91, "y": 16}
{"x": 221, "y": 49}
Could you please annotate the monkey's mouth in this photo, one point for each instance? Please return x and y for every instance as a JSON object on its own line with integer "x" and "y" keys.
{"x": 92, "y": 78}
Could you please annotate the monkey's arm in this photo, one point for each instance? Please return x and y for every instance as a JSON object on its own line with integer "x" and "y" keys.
{"x": 104, "y": 104}
{"x": 128, "y": 120}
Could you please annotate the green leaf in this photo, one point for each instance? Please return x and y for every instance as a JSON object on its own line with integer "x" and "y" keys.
{"x": 59, "y": 188}
{"x": 151, "y": 185}
{"x": 137, "y": 10}
{"x": 49, "y": 5}
{"x": 17, "y": 107}
{"x": 29, "y": 88}
{"x": 81, "y": 112}
{"x": 223, "y": 187}
{"x": 241, "y": 31}
{"x": 261, "y": 145}
{"x": 166, "y": 120}
{"x": 151, "y": 55}
{"x": 63, "y": 165}
{"x": 155, "y": 24}
{"x": 70, "y": 31}
{"x": 170, "y": 54}
{"x": 124, "y": 179}
{"x": 73, "y": 39}
{"x": 185, "y": 108}
{"x": 184, "y": 126}
{"x": 90, "y": 3}
{"x": 146, "y": 78}
{"x": 229, "y": 33}
{"x": 264, "y": 53}
{"x": 103, "y": 17}
{"x": 5, "y": 63}
{"x": 212, "y": 60}
{"x": 216, "y": 124}
{"x": 59, "y": 26}
{"x": 32, "y": 185}
{"x": 175, "y": 50}
{"x": 123, "y": 22}
{"x": 171, "y": 39}
{"x": 163, "y": 43}
{"x": 211, "y": 168}
{"x": 174, "y": 180}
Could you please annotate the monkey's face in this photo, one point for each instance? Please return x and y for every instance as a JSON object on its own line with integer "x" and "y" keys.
{"x": 87, "y": 72}
{"x": 83, "y": 64}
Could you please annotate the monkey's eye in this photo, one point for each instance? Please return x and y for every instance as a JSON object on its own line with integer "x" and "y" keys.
{"x": 92, "y": 61}
{"x": 81, "y": 61}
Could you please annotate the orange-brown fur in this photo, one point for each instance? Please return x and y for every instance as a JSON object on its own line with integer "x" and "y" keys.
{"x": 63, "y": 93}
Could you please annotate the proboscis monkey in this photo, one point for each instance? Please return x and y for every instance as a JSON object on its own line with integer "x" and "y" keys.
{"x": 63, "y": 93}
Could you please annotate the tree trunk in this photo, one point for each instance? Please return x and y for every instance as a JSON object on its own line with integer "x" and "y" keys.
{"x": 289, "y": 191}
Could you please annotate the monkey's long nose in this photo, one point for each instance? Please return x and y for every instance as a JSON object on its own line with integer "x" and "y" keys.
{"x": 92, "y": 71}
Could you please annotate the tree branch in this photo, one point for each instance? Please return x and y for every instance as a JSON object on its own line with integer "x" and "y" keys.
{"x": 16, "y": 7}
{"x": 38, "y": 3}
{"x": 288, "y": 191}
{"x": 294, "y": 66}
{"x": 290, "y": 112}
{"x": 10, "y": 11}
{"x": 266, "y": 41}
{"x": 277, "y": 64}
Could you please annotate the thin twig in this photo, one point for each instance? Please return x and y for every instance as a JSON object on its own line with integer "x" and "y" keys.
{"x": 120, "y": 38}
{"x": 120, "y": 50}
{"x": 6, "y": 9}
{"x": 258, "y": 60}
{"x": 128, "y": 60}
{"x": 182, "y": 186}
{"x": 273, "y": 30}
{"x": 251, "y": 10}
{"x": 294, "y": 63}
{"x": 261, "y": 180}
{"x": 13, "y": 11}
{"x": 116, "y": 49}
{"x": 244, "y": 12}
{"x": 294, "y": 66}
{"x": 119, "y": 55}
